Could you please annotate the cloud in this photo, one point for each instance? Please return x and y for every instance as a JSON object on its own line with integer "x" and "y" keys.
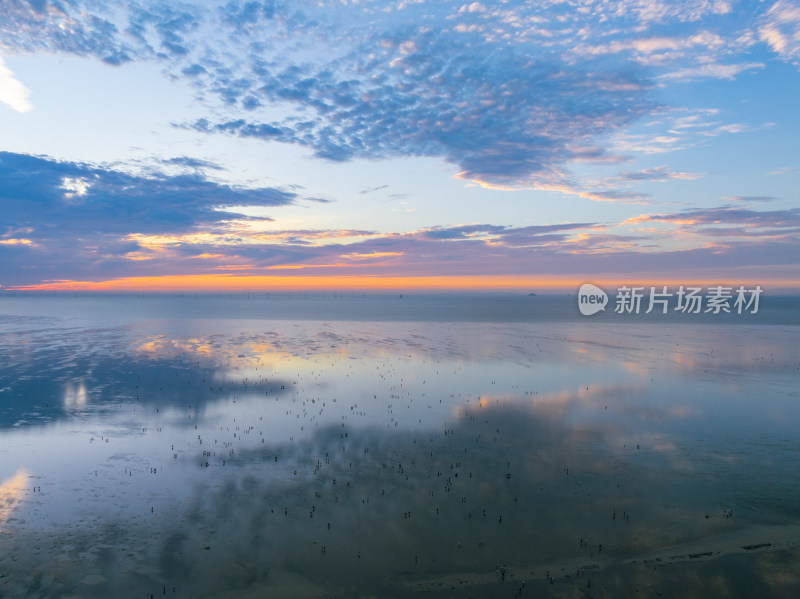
{"x": 359, "y": 82}
{"x": 508, "y": 95}
{"x": 190, "y": 163}
{"x": 461, "y": 232}
{"x": 780, "y": 29}
{"x": 645, "y": 47}
{"x": 164, "y": 29}
{"x": 34, "y": 190}
{"x": 782, "y": 171}
{"x": 607, "y": 194}
{"x": 712, "y": 70}
{"x": 502, "y": 117}
{"x": 76, "y": 217}
{"x": 62, "y": 27}
{"x": 673, "y": 129}
{"x": 252, "y": 252}
{"x": 683, "y": 10}
{"x": 751, "y": 198}
{"x": 12, "y": 93}
{"x": 776, "y": 220}
{"x": 373, "y": 189}
{"x": 659, "y": 173}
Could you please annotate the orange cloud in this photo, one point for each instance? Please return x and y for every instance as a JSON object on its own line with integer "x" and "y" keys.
{"x": 302, "y": 266}
{"x": 642, "y": 218}
{"x": 597, "y": 196}
{"x": 234, "y": 267}
{"x": 365, "y": 256}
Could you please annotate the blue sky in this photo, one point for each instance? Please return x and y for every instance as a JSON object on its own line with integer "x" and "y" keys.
{"x": 372, "y": 144}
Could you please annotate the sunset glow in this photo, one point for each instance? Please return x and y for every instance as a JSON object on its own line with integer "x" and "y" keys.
{"x": 279, "y": 283}
{"x": 439, "y": 146}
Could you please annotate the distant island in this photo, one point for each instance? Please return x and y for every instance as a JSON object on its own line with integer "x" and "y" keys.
{"x": 531, "y": 295}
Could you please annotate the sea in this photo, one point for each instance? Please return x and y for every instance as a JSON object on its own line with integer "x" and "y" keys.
{"x": 313, "y": 444}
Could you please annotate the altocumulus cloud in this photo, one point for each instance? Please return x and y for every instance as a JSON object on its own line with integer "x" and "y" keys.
{"x": 508, "y": 94}
{"x": 374, "y": 81}
{"x": 502, "y": 117}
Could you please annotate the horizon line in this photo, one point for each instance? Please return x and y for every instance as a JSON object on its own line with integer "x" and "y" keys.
{"x": 544, "y": 284}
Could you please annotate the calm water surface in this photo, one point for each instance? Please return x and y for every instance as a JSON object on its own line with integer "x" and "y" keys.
{"x": 379, "y": 446}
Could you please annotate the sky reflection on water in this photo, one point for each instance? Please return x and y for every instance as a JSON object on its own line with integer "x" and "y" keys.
{"x": 349, "y": 458}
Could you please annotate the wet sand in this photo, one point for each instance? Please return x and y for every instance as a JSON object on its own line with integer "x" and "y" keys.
{"x": 754, "y": 561}
{"x": 435, "y": 521}
{"x": 308, "y": 459}
{"x": 760, "y": 556}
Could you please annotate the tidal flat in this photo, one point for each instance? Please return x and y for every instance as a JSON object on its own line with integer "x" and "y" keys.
{"x": 156, "y": 447}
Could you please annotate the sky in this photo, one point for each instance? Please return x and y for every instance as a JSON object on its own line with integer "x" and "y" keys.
{"x": 412, "y": 145}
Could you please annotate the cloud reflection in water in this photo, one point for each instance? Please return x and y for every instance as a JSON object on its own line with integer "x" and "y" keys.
{"x": 213, "y": 456}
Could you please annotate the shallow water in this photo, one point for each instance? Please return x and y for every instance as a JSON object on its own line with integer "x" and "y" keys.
{"x": 198, "y": 448}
